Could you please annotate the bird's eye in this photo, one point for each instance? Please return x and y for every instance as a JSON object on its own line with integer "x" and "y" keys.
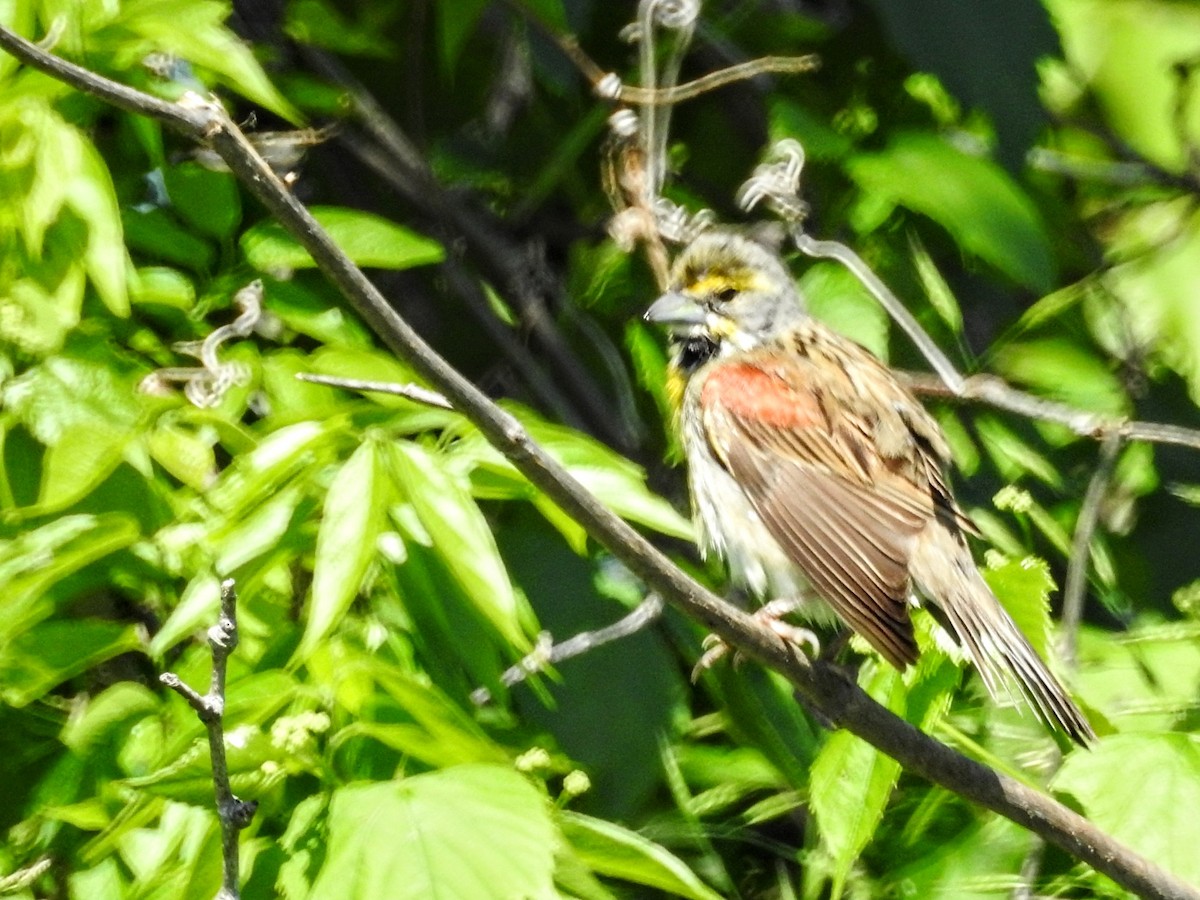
{"x": 726, "y": 294}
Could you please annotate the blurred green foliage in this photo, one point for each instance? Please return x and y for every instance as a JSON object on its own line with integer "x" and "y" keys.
{"x": 1026, "y": 180}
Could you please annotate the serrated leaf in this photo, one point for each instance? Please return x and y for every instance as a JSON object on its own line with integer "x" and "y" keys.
{"x": 469, "y": 832}
{"x": 980, "y": 205}
{"x": 852, "y": 783}
{"x": 350, "y": 524}
{"x": 1143, "y": 790}
{"x": 1023, "y": 587}
{"x": 616, "y": 852}
{"x": 369, "y": 240}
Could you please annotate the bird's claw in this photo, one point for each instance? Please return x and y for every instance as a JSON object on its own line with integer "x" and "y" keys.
{"x": 715, "y": 648}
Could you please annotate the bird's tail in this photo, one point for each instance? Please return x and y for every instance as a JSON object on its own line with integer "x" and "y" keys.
{"x": 945, "y": 572}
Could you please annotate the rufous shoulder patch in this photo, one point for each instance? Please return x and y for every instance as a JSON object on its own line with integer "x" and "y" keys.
{"x": 755, "y": 394}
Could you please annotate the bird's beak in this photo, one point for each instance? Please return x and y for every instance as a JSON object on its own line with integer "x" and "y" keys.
{"x": 676, "y": 309}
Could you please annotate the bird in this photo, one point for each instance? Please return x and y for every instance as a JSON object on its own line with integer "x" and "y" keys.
{"x": 820, "y": 479}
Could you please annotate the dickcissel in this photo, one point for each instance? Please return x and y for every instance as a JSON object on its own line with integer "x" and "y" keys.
{"x": 814, "y": 472}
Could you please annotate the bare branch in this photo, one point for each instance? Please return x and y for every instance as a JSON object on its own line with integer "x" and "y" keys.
{"x": 996, "y": 392}
{"x": 834, "y": 695}
{"x": 409, "y": 391}
{"x": 234, "y": 814}
{"x": 546, "y": 653}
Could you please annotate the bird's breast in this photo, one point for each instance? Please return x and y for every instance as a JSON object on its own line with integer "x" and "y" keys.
{"x": 726, "y": 521}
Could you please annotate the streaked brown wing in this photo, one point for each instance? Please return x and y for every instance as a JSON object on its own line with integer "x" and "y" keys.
{"x": 847, "y": 516}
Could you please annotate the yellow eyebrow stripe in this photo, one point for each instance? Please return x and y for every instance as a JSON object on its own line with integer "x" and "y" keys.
{"x": 713, "y": 283}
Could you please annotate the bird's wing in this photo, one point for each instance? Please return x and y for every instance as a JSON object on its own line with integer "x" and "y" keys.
{"x": 839, "y": 480}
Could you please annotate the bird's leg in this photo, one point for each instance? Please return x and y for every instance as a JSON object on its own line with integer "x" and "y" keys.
{"x": 771, "y": 615}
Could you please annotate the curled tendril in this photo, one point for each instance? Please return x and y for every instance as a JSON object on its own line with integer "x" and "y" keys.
{"x": 206, "y": 384}
{"x": 609, "y": 87}
{"x": 678, "y": 226}
{"x": 624, "y": 123}
{"x": 777, "y": 183}
{"x": 675, "y": 14}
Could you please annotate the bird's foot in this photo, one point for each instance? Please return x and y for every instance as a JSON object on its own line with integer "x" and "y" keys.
{"x": 771, "y": 615}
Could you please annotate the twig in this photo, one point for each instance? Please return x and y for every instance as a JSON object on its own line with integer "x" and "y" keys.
{"x": 609, "y": 86}
{"x": 782, "y": 65}
{"x": 547, "y": 653}
{"x": 996, "y": 392}
{"x": 828, "y": 689}
{"x": 1081, "y": 545}
{"x": 234, "y": 814}
{"x": 409, "y": 391}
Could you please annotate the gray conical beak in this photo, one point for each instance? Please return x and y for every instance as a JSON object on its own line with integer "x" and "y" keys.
{"x": 675, "y": 309}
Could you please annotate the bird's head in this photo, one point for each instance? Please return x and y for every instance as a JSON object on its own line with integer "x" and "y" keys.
{"x": 726, "y": 294}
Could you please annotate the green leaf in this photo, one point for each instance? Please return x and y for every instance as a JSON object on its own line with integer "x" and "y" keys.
{"x": 965, "y": 865}
{"x": 196, "y": 609}
{"x": 461, "y": 536}
{"x": 1157, "y": 292}
{"x": 187, "y": 453}
{"x": 440, "y": 735}
{"x": 319, "y": 24}
{"x": 162, "y": 286}
{"x": 619, "y": 483}
{"x": 91, "y": 196}
{"x": 836, "y": 297}
{"x": 369, "y": 241}
{"x": 1012, "y": 454}
{"x": 350, "y": 525}
{"x": 941, "y": 298}
{"x": 1127, "y": 52}
{"x": 616, "y": 852}
{"x": 1023, "y": 587}
{"x": 258, "y": 474}
{"x": 74, "y": 466}
{"x": 1143, "y": 790}
{"x": 852, "y": 783}
{"x": 68, "y": 394}
{"x": 797, "y": 121}
{"x": 32, "y": 563}
{"x": 455, "y": 24}
{"x": 1061, "y": 369}
{"x": 1144, "y": 680}
{"x": 207, "y": 201}
{"x": 470, "y": 832}
{"x": 981, "y": 207}
{"x": 158, "y": 234}
{"x": 48, "y": 654}
{"x": 194, "y": 31}
{"x": 109, "y": 715}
